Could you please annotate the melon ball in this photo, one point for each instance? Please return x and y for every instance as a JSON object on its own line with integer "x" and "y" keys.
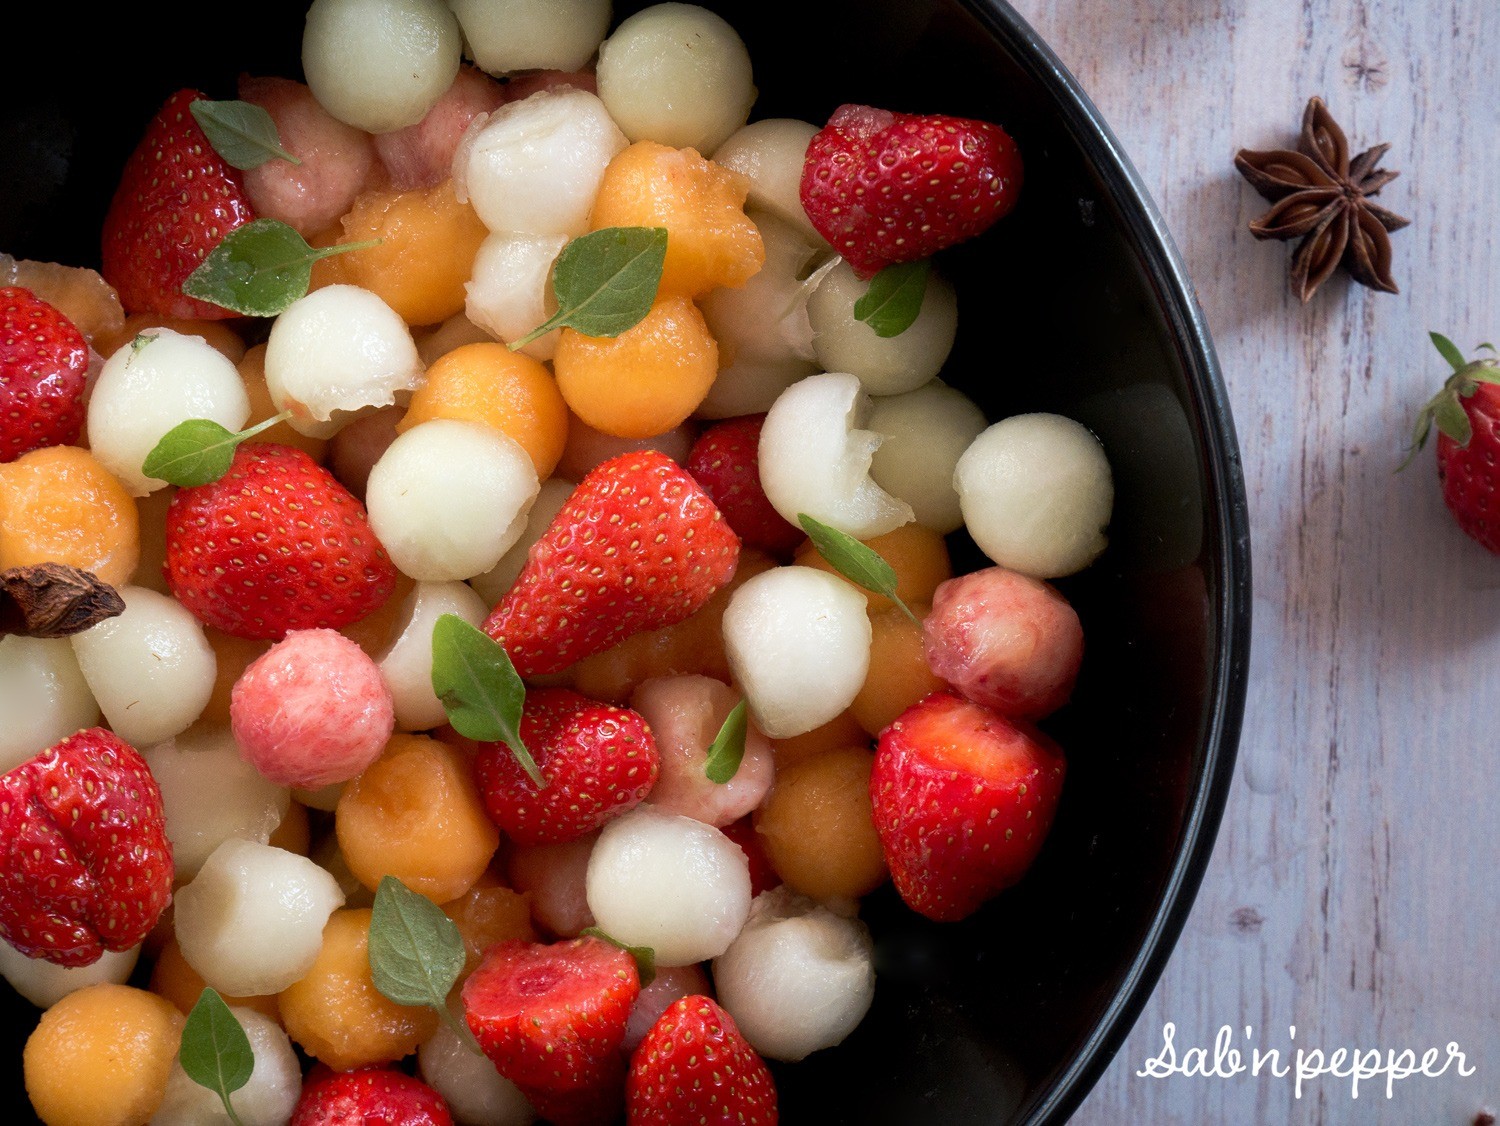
{"x": 534, "y": 166}
{"x": 449, "y": 498}
{"x": 477, "y": 1094}
{"x": 338, "y": 350}
{"x": 886, "y": 365}
{"x": 152, "y": 384}
{"x": 669, "y": 882}
{"x": 510, "y": 291}
{"x": 452, "y": 334}
{"x": 151, "y": 669}
{"x": 770, "y": 153}
{"x": 210, "y": 794}
{"x": 798, "y": 978}
{"x": 766, "y": 318}
{"x": 359, "y": 445}
{"x": 677, "y": 74}
{"x": 1036, "y": 494}
{"x": 926, "y": 431}
{"x": 507, "y": 35}
{"x": 268, "y": 1097}
{"x": 43, "y": 696}
{"x": 750, "y": 385}
{"x": 670, "y": 985}
{"x": 815, "y": 458}
{"x": 406, "y": 664}
{"x": 550, "y": 499}
{"x": 251, "y": 921}
{"x": 555, "y": 878}
{"x": 798, "y": 641}
{"x": 45, "y": 983}
{"x": 380, "y": 65}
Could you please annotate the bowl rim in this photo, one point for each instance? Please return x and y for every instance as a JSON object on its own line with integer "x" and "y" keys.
{"x": 1155, "y": 251}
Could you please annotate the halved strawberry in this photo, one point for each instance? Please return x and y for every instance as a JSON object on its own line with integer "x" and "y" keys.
{"x": 371, "y": 1096}
{"x": 694, "y": 1068}
{"x": 44, "y": 360}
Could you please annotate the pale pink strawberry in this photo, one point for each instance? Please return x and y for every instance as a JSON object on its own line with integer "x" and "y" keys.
{"x": 421, "y": 155}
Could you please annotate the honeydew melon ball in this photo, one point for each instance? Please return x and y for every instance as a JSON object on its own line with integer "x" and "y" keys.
{"x": 45, "y": 983}
{"x": 1036, "y": 493}
{"x": 474, "y": 1091}
{"x": 406, "y": 664}
{"x": 509, "y": 293}
{"x": 149, "y": 386}
{"x": 268, "y": 1097}
{"x": 886, "y": 365}
{"x": 771, "y": 153}
{"x": 668, "y": 882}
{"x": 380, "y": 65}
{"x": 449, "y": 498}
{"x": 766, "y": 318}
{"x": 926, "y": 431}
{"x": 43, "y": 696}
{"x": 550, "y": 499}
{"x": 798, "y": 643}
{"x": 677, "y": 74}
{"x": 506, "y": 35}
{"x": 750, "y": 385}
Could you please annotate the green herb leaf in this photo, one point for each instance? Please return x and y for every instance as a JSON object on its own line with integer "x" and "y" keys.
{"x": 416, "y": 952}
{"x": 605, "y": 281}
{"x": 242, "y": 133}
{"x": 260, "y": 268}
{"x": 894, "y": 298}
{"x": 215, "y": 1052}
{"x": 199, "y": 451}
{"x": 728, "y": 748}
{"x": 645, "y": 956}
{"x": 1448, "y": 349}
{"x": 480, "y": 689}
{"x": 857, "y": 562}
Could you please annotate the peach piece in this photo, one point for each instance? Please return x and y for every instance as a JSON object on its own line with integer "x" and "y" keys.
{"x": 421, "y": 155}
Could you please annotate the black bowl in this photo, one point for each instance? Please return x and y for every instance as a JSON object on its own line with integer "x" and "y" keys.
{"x": 1077, "y": 303}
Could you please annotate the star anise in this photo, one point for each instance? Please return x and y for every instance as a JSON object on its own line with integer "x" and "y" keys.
{"x": 1322, "y": 197}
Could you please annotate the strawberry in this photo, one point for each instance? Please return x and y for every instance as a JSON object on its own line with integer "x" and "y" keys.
{"x": 725, "y": 460}
{"x": 1467, "y": 413}
{"x": 177, "y": 198}
{"x": 599, "y": 761}
{"x": 887, "y": 187}
{"x": 638, "y": 546}
{"x": 695, "y": 1067}
{"x": 370, "y": 1096}
{"x": 551, "y": 1017}
{"x": 43, "y": 362}
{"x": 275, "y": 545}
{"x": 85, "y": 865}
{"x": 963, "y": 799}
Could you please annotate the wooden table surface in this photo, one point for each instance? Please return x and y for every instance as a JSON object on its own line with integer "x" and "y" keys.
{"x": 1354, "y": 891}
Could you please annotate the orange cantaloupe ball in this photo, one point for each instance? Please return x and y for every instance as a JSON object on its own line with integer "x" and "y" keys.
{"x": 843, "y": 730}
{"x": 60, "y": 505}
{"x": 179, "y": 983}
{"x": 899, "y": 675}
{"x": 216, "y": 334}
{"x": 918, "y": 555}
{"x": 818, "y": 829}
{"x": 232, "y": 656}
{"x": 253, "y": 372}
{"x": 489, "y": 912}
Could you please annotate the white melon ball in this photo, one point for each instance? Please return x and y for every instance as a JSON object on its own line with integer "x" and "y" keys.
{"x": 45, "y": 983}
{"x": 251, "y": 921}
{"x": 749, "y": 385}
{"x": 325, "y": 798}
{"x": 1036, "y": 493}
{"x": 677, "y": 74}
{"x": 670, "y": 985}
{"x": 151, "y": 668}
{"x": 210, "y": 793}
{"x": 328, "y": 856}
{"x": 268, "y": 1097}
{"x": 534, "y": 166}
{"x": 550, "y": 499}
{"x": 886, "y": 365}
{"x": 449, "y": 498}
{"x": 798, "y": 642}
{"x": 406, "y": 663}
{"x": 338, "y": 350}
{"x": 766, "y": 318}
{"x": 815, "y": 458}
{"x": 510, "y": 291}
{"x": 669, "y": 882}
{"x": 771, "y": 153}
{"x": 554, "y": 877}
{"x": 926, "y": 431}
{"x": 147, "y": 387}
{"x": 43, "y": 697}
{"x": 798, "y": 978}
{"x": 507, "y": 35}
{"x": 380, "y": 65}
{"x": 477, "y": 1094}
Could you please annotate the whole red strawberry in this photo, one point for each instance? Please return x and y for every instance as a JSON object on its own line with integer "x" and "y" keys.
{"x": 695, "y": 1067}
{"x": 274, "y": 545}
{"x": 638, "y": 546}
{"x": 372, "y": 1096}
{"x": 43, "y": 362}
{"x": 85, "y": 865}
{"x": 887, "y": 187}
{"x": 725, "y": 460}
{"x": 963, "y": 799}
{"x": 1467, "y": 413}
{"x": 599, "y": 761}
{"x": 177, "y": 198}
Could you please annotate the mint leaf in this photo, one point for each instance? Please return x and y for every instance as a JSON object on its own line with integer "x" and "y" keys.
{"x": 199, "y": 451}
{"x": 605, "y": 282}
{"x": 645, "y": 956}
{"x": 242, "y": 133}
{"x": 728, "y": 748}
{"x": 416, "y": 952}
{"x": 894, "y": 298}
{"x": 857, "y": 562}
{"x": 215, "y": 1052}
{"x": 260, "y": 268}
{"x": 480, "y": 689}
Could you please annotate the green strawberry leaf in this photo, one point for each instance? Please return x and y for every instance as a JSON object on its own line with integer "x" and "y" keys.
{"x": 728, "y": 748}
{"x": 894, "y": 298}
{"x": 605, "y": 282}
{"x": 199, "y": 451}
{"x": 645, "y": 956}
{"x": 215, "y": 1052}
{"x": 260, "y": 268}
{"x": 1448, "y": 350}
{"x": 861, "y": 564}
{"x": 242, "y": 133}
{"x": 1452, "y": 419}
{"x": 479, "y": 687}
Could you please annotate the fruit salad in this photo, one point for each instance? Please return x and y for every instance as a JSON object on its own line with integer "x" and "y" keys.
{"x": 476, "y": 609}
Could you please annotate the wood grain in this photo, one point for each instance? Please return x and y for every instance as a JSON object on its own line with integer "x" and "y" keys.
{"x": 1355, "y": 889}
